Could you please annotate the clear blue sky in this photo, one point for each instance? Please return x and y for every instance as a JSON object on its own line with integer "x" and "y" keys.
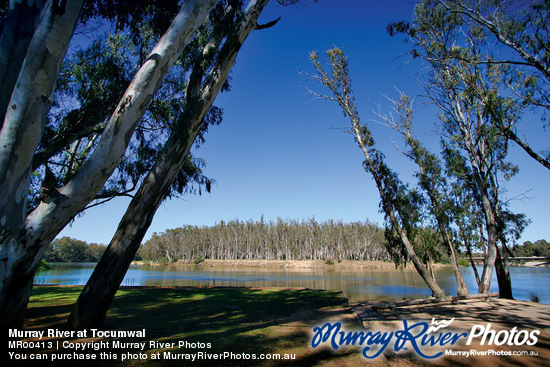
{"x": 278, "y": 153}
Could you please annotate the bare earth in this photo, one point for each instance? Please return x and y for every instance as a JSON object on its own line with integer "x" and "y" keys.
{"x": 302, "y": 264}
{"x": 499, "y": 313}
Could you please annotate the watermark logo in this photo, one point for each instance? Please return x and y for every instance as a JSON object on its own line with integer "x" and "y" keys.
{"x": 436, "y": 325}
{"x": 421, "y": 336}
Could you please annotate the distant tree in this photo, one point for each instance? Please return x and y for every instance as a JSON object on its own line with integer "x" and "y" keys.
{"x": 68, "y": 249}
{"x": 95, "y": 251}
{"x": 263, "y": 240}
{"x": 539, "y": 248}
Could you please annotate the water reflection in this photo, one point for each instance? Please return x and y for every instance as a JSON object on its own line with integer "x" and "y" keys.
{"x": 357, "y": 284}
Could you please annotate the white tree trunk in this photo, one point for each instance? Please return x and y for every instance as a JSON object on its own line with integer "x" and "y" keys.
{"x": 100, "y": 289}
{"x": 28, "y": 106}
{"x": 21, "y": 132}
{"x": 16, "y": 31}
{"x": 23, "y": 239}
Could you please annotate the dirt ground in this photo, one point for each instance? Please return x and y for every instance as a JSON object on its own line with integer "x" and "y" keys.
{"x": 499, "y": 313}
{"x": 302, "y": 264}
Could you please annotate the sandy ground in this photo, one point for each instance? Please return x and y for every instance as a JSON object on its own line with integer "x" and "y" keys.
{"x": 499, "y": 313}
{"x": 315, "y": 264}
{"x": 302, "y": 264}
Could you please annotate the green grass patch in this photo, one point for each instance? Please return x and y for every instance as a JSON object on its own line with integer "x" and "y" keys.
{"x": 237, "y": 320}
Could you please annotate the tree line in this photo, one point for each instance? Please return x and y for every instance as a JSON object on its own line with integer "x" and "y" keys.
{"x": 540, "y": 248}
{"x": 271, "y": 240}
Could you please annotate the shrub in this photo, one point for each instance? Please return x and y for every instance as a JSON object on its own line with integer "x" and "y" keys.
{"x": 44, "y": 266}
{"x": 534, "y": 297}
{"x": 463, "y": 262}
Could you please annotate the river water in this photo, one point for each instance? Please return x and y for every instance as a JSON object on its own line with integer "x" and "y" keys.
{"x": 357, "y": 284}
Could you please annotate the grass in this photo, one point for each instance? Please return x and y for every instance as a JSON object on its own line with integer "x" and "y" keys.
{"x": 238, "y": 320}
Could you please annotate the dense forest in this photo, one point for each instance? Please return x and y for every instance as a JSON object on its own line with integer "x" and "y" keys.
{"x": 273, "y": 240}
{"x": 538, "y": 248}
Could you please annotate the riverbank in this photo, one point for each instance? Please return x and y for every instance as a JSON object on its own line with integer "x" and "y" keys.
{"x": 498, "y": 316}
{"x": 313, "y": 264}
{"x": 295, "y": 264}
{"x": 280, "y": 322}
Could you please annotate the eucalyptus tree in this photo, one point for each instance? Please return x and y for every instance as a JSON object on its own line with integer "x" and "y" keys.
{"x": 273, "y": 240}
{"x": 465, "y": 91}
{"x": 395, "y": 199}
{"x": 430, "y": 176}
{"x": 25, "y": 235}
{"x": 226, "y": 30}
{"x": 467, "y": 215}
{"x": 524, "y": 34}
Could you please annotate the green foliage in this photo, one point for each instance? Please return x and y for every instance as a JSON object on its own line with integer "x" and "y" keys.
{"x": 44, "y": 266}
{"x": 67, "y": 249}
{"x": 463, "y": 262}
{"x": 468, "y": 33}
{"x": 198, "y": 260}
{"x": 534, "y": 297}
{"x": 92, "y": 80}
{"x": 164, "y": 261}
{"x": 540, "y": 248}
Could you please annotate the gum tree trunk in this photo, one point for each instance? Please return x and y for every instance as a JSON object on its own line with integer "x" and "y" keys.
{"x": 437, "y": 292}
{"x": 16, "y": 31}
{"x": 92, "y": 305}
{"x": 23, "y": 238}
{"x": 22, "y": 125}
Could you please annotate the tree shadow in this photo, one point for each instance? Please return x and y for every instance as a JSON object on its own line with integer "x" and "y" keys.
{"x": 500, "y": 314}
{"x": 240, "y": 325}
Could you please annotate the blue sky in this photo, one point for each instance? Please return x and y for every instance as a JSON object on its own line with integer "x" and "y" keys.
{"x": 280, "y": 154}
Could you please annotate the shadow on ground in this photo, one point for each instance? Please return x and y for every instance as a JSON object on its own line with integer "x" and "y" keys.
{"x": 501, "y": 314}
{"x": 246, "y": 323}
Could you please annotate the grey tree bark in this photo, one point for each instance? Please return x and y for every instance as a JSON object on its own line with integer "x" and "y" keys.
{"x": 16, "y": 31}
{"x": 29, "y": 101}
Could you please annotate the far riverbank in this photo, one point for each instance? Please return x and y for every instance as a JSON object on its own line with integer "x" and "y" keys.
{"x": 311, "y": 264}
{"x": 294, "y": 264}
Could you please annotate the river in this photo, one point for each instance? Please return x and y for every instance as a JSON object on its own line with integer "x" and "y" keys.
{"x": 357, "y": 284}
